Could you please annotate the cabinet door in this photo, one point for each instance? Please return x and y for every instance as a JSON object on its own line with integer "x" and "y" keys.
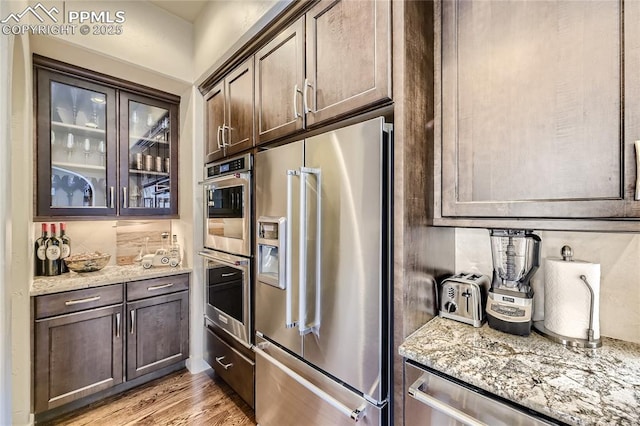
{"x": 279, "y": 84}
{"x": 214, "y": 102}
{"x": 76, "y": 146}
{"x": 158, "y": 333}
{"x": 148, "y": 156}
{"x": 348, "y": 57}
{"x": 77, "y": 355}
{"x": 238, "y": 86}
{"x": 534, "y": 121}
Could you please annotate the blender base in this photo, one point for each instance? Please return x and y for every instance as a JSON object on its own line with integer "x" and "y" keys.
{"x": 517, "y": 328}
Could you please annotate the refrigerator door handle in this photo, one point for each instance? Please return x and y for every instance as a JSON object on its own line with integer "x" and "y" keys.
{"x": 302, "y": 324}
{"x": 289, "y": 322}
{"x": 356, "y": 414}
{"x": 420, "y": 396}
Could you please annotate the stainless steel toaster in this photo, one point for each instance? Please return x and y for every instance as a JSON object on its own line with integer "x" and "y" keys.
{"x": 463, "y": 298}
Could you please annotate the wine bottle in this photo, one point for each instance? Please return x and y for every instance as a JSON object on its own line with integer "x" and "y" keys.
{"x": 52, "y": 251}
{"x": 40, "y": 251}
{"x": 65, "y": 248}
{"x": 175, "y": 252}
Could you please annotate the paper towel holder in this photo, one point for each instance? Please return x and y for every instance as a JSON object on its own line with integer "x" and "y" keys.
{"x": 589, "y": 342}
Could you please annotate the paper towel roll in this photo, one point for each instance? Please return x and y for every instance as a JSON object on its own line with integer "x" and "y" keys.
{"x": 567, "y": 298}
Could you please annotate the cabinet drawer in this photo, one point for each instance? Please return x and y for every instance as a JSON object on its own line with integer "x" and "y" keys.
{"x": 157, "y": 286}
{"x": 231, "y": 365}
{"x": 77, "y": 300}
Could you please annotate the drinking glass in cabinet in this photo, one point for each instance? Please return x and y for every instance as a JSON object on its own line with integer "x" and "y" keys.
{"x": 149, "y": 145}
{"x": 78, "y": 119}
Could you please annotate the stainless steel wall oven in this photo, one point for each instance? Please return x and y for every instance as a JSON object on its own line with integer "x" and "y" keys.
{"x": 227, "y": 206}
{"x": 228, "y": 293}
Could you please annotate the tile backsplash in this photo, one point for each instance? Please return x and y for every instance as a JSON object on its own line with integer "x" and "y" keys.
{"x": 618, "y": 256}
{"x": 124, "y": 240}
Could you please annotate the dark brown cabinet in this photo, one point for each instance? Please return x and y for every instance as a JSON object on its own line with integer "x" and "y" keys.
{"x": 158, "y": 326}
{"x": 86, "y": 340}
{"x": 279, "y": 84}
{"x": 333, "y": 61}
{"x": 538, "y": 113}
{"x": 78, "y": 345}
{"x": 104, "y": 146}
{"x": 229, "y": 109}
{"x": 348, "y": 58}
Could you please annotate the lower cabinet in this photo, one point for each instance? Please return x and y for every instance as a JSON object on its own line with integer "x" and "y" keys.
{"x": 86, "y": 340}
{"x": 158, "y": 333}
{"x": 231, "y": 361}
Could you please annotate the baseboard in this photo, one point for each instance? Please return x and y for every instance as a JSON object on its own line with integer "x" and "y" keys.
{"x": 197, "y": 365}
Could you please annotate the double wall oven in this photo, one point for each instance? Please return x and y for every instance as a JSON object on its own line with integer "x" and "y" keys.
{"x": 227, "y": 245}
{"x": 227, "y": 254}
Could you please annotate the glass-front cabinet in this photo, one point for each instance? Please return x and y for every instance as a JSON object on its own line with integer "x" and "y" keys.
{"x": 103, "y": 149}
{"x": 148, "y": 174}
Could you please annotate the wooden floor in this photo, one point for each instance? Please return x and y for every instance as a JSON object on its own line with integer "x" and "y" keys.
{"x": 178, "y": 399}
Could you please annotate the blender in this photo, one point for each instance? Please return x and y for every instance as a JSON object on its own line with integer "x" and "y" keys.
{"x": 516, "y": 257}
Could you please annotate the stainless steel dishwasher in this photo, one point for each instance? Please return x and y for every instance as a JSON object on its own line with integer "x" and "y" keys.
{"x": 431, "y": 399}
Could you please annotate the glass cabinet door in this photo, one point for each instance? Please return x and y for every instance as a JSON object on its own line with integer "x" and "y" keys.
{"x": 76, "y": 144}
{"x": 148, "y": 156}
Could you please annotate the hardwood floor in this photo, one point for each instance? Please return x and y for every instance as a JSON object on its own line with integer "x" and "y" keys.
{"x": 178, "y": 399}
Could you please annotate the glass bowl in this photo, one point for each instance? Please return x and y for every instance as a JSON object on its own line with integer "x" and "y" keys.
{"x": 87, "y": 262}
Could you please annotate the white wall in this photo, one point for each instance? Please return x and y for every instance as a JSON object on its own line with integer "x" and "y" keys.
{"x": 156, "y": 50}
{"x": 220, "y": 25}
{"x": 152, "y": 38}
{"x": 21, "y": 243}
{"x": 6, "y": 61}
{"x": 617, "y": 254}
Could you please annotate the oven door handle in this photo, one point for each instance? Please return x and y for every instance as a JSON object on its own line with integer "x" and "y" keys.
{"x": 416, "y": 393}
{"x": 236, "y": 264}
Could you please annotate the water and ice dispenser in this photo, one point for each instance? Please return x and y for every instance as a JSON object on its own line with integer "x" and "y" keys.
{"x": 271, "y": 251}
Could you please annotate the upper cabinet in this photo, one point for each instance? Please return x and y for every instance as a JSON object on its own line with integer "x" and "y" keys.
{"x": 229, "y": 110}
{"x": 102, "y": 149}
{"x": 348, "y": 51}
{"x": 539, "y": 109}
{"x": 333, "y": 61}
{"x": 280, "y": 76}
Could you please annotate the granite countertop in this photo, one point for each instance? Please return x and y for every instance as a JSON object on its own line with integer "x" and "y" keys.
{"x": 105, "y": 276}
{"x": 576, "y": 386}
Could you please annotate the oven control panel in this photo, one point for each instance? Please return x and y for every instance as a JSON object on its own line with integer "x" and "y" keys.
{"x": 234, "y": 165}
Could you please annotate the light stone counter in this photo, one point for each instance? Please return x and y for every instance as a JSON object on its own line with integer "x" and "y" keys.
{"x": 105, "y": 276}
{"x": 576, "y": 386}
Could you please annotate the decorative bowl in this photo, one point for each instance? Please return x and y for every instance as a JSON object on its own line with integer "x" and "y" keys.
{"x": 87, "y": 262}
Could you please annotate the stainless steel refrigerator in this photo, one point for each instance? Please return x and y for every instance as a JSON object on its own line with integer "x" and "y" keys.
{"x": 322, "y": 289}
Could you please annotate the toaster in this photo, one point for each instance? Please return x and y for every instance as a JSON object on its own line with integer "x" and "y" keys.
{"x": 463, "y": 298}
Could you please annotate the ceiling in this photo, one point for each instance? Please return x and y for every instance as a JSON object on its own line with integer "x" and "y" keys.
{"x": 186, "y": 9}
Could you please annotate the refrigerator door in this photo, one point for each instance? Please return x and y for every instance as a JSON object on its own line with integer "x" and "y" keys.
{"x": 291, "y": 393}
{"x": 272, "y": 195}
{"x": 348, "y": 306}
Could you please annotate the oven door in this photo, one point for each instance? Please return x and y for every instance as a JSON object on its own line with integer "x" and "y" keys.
{"x": 227, "y": 214}
{"x": 227, "y": 293}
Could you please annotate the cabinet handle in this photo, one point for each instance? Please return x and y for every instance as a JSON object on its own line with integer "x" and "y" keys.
{"x": 124, "y": 197}
{"x": 225, "y": 366}
{"x": 112, "y": 197}
{"x": 118, "y": 324}
{"x": 218, "y": 136}
{"x": 224, "y": 140}
{"x": 158, "y": 287}
{"x": 133, "y": 321}
{"x": 307, "y": 85}
{"x": 230, "y": 274}
{"x": 637, "y": 144}
{"x": 78, "y": 301}
{"x": 296, "y": 91}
